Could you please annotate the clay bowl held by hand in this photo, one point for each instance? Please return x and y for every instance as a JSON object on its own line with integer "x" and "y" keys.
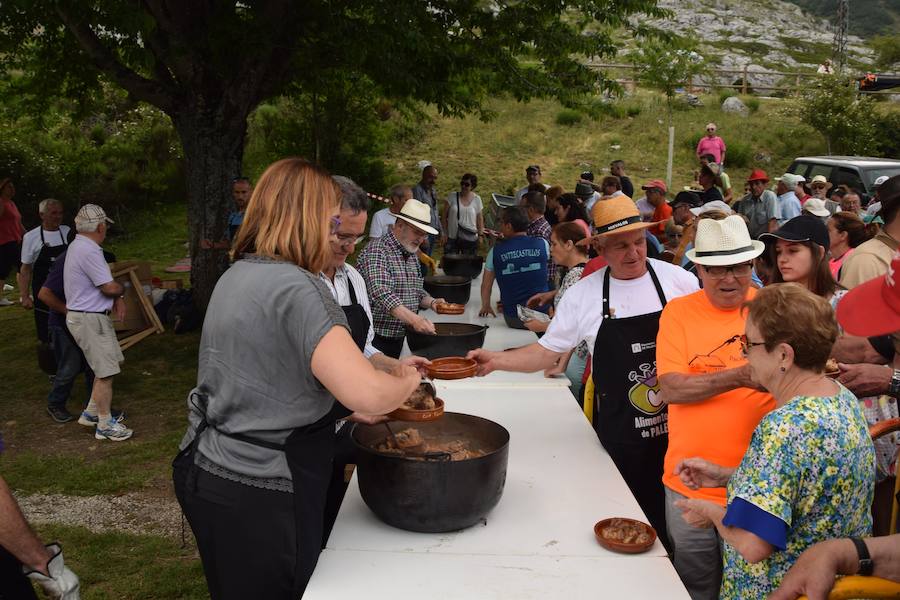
{"x": 449, "y": 308}
{"x": 412, "y": 414}
{"x": 451, "y": 288}
{"x": 452, "y": 367}
{"x": 619, "y": 546}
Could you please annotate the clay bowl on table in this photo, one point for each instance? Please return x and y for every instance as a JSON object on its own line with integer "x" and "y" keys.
{"x": 413, "y": 414}
{"x": 449, "y": 308}
{"x": 617, "y": 545}
{"x": 452, "y": 367}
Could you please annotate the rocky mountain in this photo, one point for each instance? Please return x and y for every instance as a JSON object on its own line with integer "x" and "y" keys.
{"x": 763, "y": 35}
{"x": 867, "y": 17}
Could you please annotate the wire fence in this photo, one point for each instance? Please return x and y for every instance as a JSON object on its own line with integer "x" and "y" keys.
{"x": 743, "y": 83}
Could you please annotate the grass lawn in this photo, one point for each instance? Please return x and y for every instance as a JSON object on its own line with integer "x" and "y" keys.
{"x": 43, "y": 457}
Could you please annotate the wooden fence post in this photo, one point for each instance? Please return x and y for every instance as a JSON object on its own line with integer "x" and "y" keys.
{"x": 744, "y": 81}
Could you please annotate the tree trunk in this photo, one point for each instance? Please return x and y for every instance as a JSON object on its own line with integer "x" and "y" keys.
{"x": 213, "y": 153}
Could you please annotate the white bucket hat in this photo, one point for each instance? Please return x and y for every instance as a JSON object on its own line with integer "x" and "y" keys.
{"x": 816, "y": 206}
{"x": 723, "y": 243}
{"x": 417, "y": 214}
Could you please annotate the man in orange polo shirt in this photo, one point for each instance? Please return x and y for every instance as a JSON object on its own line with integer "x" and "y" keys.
{"x": 713, "y": 405}
{"x": 656, "y": 195}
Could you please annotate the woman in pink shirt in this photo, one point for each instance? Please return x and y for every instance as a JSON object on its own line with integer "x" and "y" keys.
{"x": 712, "y": 144}
{"x": 846, "y": 231}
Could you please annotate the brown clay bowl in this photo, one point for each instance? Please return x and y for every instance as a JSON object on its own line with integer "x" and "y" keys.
{"x": 452, "y": 367}
{"x": 412, "y": 414}
{"x": 618, "y": 546}
{"x": 449, "y": 308}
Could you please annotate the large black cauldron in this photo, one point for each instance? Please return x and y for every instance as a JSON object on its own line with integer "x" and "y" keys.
{"x": 451, "y": 339}
{"x": 462, "y": 264}
{"x": 451, "y": 288}
{"x": 436, "y": 495}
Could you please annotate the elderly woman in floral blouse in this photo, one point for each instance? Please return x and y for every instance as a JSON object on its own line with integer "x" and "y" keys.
{"x": 809, "y": 472}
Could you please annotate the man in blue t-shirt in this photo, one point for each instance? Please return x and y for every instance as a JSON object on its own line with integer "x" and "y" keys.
{"x": 518, "y": 263}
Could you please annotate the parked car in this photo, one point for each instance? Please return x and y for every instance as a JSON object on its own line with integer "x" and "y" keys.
{"x": 858, "y": 172}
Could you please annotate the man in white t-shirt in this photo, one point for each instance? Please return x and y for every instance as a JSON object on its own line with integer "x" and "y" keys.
{"x": 616, "y": 311}
{"x": 385, "y": 218}
{"x": 40, "y": 247}
{"x": 533, "y": 175}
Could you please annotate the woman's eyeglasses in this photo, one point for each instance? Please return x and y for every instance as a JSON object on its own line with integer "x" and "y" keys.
{"x": 747, "y": 345}
{"x": 465, "y": 183}
{"x": 743, "y": 270}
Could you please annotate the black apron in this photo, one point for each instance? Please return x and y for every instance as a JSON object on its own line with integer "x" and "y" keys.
{"x": 308, "y": 450}
{"x": 630, "y": 421}
{"x": 344, "y": 448}
{"x": 40, "y": 270}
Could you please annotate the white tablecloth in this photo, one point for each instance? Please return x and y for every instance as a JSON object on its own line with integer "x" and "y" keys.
{"x": 537, "y": 542}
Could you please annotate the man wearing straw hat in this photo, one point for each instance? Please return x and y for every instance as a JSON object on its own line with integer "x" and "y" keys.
{"x": 391, "y": 269}
{"x": 616, "y": 311}
{"x": 705, "y": 381}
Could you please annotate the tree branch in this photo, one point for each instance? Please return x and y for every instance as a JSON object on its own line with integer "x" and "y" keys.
{"x": 140, "y": 87}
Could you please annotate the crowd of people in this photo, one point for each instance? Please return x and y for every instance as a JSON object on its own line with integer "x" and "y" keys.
{"x": 695, "y": 327}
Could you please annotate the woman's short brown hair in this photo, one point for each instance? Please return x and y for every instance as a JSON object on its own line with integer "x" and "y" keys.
{"x": 570, "y": 231}
{"x": 854, "y": 227}
{"x": 791, "y": 314}
{"x": 289, "y": 214}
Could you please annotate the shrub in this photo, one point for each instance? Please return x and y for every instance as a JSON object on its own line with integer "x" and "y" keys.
{"x": 739, "y": 154}
{"x": 633, "y": 110}
{"x": 725, "y": 95}
{"x": 752, "y": 103}
{"x": 568, "y": 117}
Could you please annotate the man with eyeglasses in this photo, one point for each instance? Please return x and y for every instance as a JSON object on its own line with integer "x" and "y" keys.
{"x": 349, "y": 291}
{"x": 616, "y": 312}
{"x": 705, "y": 381}
{"x": 390, "y": 267}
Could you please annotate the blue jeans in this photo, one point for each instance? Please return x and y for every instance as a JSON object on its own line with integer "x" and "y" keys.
{"x": 70, "y": 362}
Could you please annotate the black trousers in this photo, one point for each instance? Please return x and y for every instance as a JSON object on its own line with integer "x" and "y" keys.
{"x": 13, "y": 585}
{"x": 390, "y": 346}
{"x": 246, "y": 536}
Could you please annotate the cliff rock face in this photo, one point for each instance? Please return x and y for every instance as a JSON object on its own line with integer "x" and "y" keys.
{"x": 763, "y": 35}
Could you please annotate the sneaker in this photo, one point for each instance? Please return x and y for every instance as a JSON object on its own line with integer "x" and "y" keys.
{"x": 60, "y": 414}
{"x": 115, "y": 432}
{"x": 5, "y": 302}
{"x": 89, "y": 420}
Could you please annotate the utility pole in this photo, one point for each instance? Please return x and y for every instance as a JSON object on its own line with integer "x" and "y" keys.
{"x": 839, "y": 45}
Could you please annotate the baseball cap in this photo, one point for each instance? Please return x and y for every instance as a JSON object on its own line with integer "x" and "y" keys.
{"x": 880, "y": 180}
{"x": 805, "y": 228}
{"x": 873, "y": 308}
{"x": 587, "y": 175}
{"x": 692, "y": 199}
{"x": 91, "y": 213}
{"x": 816, "y": 206}
{"x": 656, "y": 183}
{"x": 791, "y": 179}
{"x": 532, "y": 169}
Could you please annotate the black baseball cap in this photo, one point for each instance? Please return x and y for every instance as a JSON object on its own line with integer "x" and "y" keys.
{"x": 532, "y": 168}
{"x": 805, "y": 228}
{"x": 692, "y": 199}
{"x": 587, "y": 175}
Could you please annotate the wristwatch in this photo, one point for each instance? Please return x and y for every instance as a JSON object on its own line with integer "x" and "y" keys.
{"x": 866, "y": 564}
{"x": 895, "y": 384}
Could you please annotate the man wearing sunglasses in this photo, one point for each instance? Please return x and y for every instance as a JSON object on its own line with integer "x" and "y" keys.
{"x": 705, "y": 380}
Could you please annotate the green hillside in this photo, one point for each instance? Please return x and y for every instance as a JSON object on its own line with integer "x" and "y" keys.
{"x": 867, "y": 17}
